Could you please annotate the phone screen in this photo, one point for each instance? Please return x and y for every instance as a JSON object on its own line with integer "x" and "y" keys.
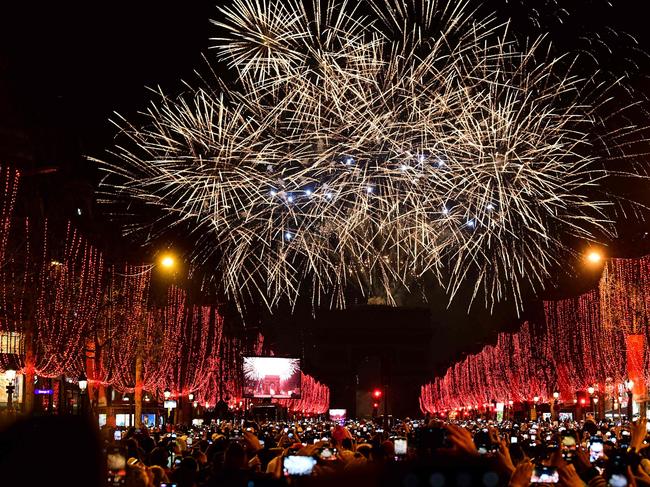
{"x": 298, "y": 465}
{"x": 514, "y": 439}
{"x": 117, "y": 436}
{"x": 617, "y": 480}
{"x": 401, "y": 446}
{"x": 595, "y": 450}
{"x": 328, "y": 454}
{"x": 115, "y": 461}
{"x": 543, "y": 474}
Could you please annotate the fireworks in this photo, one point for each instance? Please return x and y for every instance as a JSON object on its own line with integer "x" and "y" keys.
{"x": 373, "y": 145}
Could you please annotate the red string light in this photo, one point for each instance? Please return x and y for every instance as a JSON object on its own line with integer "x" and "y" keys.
{"x": 581, "y": 343}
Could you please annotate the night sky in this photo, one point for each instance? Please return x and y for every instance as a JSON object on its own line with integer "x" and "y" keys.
{"x": 66, "y": 66}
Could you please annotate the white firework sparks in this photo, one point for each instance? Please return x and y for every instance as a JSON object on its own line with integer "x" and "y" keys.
{"x": 372, "y": 145}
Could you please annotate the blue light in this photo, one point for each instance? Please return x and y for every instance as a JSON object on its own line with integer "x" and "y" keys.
{"x": 273, "y": 192}
{"x": 308, "y": 192}
{"x": 369, "y": 189}
{"x": 490, "y": 207}
{"x": 329, "y": 196}
{"x": 349, "y": 161}
{"x": 403, "y": 167}
{"x": 288, "y": 235}
{"x": 445, "y": 210}
{"x": 471, "y": 223}
{"x": 290, "y": 199}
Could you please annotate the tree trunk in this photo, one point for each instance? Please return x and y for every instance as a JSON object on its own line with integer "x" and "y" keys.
{"x": 29, "y": 369}
{"x": 137, "y": 419}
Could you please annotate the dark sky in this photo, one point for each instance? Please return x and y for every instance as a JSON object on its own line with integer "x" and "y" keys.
{"x": 68, "y": 65}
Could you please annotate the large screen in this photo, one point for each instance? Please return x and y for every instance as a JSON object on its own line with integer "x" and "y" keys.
{"x": 272, "y": 377}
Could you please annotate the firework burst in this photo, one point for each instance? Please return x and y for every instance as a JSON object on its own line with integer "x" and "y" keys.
{"x": 373, "y": 145}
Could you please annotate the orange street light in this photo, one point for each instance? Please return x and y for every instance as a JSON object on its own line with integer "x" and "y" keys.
{"x": 594, "y": 257}
{"x": 167, "y": 261}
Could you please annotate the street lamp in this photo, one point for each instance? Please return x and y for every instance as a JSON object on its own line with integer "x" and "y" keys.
{"x": 595, "y": 406}
{"x": 10, "y": 375}
{"x": 167, "y": 393}
{"x": 83, "y": 385}
{"x": 554, "y": 412}
{"x": 190, "y": 396}
{"x": 591, "y": 390}
{"x": 83, "y": 382}
{"x": 167, "y": 262}
{"x": 594, "y": 257}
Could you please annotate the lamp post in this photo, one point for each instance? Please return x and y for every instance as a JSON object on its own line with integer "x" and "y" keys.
{"x": 590, "y": 391}
{"x": 167, "y": 394}
{"x": 629, "y": 385}
{"x": 10, "y": 375}
{"x": 534, "y": 410}
{"x": 595, "y": 407}
{"x": 555, "y": 414}
{"x": 83, "y": 386}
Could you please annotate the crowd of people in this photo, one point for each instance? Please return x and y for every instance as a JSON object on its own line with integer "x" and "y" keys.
{"x": 410, "y": 453}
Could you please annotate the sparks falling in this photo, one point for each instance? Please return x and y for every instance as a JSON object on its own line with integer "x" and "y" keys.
{"x": 373, "y": 145}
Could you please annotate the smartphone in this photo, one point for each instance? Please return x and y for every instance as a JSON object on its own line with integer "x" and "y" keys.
{"x": 513, "y": 440}
{"x": 295, "y": 465}
{"x": 595, "y": 449}
{"x": 624, "y": 442}
{"x": 116, "y": 466}
{"x": 544, "y": 474}
{"x": 327, "y": 454}
{"x": 568, "y": 448}
{"x": 177, "y": 461}
{"x": 617, "y": 480}
{"x": 401, "y": 446}
{"x": 189, "y": 441}
{"x": 117, "y": 436}
{"x": 115, "y": 460}
{"x": 482, "y": 441}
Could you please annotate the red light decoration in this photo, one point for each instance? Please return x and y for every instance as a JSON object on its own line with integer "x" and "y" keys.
{"x": 581, "y": 342}
{"x": 377, "y": 393}
{"x": 88, "y": 317}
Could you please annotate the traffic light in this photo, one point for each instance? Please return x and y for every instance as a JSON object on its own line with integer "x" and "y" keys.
{"x": 377, "y": 394}
{"x": 375, "y": 405}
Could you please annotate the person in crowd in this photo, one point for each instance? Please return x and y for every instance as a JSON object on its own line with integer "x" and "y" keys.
{"x": 487, "y": 452}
